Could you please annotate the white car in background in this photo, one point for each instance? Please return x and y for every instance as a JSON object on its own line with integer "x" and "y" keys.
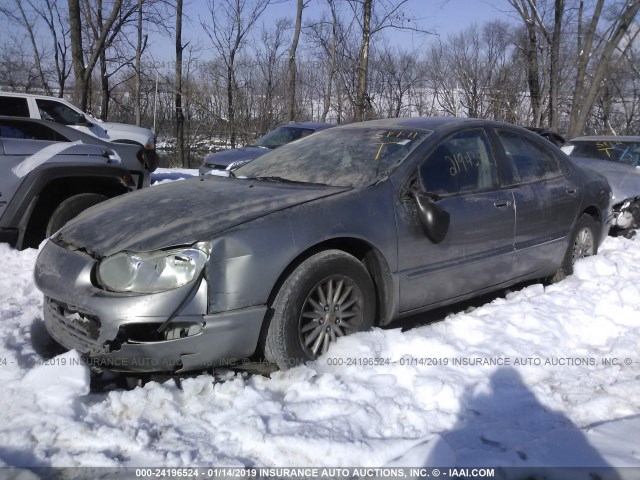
{"x": 60, "y": 111}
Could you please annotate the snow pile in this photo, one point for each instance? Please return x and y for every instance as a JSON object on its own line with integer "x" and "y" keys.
{"x": 166, "y": 175}
{"x": 543, "y": 377}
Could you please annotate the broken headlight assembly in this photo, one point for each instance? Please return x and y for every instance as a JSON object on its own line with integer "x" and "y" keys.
{"x": 152, "y": 272}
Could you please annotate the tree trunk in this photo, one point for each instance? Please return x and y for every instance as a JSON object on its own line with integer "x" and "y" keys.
{"x": 332, "y": 61}
{"x": 77, "y": 58}
{"x": 554, "y": 68}
{"x": 138, "y": 79}
{"x": 231, "y": 112}
{"x": 179, "y": 113}
{"x": 104, "y": 84}
{"x": 363, "y": 64}
{"x": 292, "y": 63}
{"x": 533, "y": 76}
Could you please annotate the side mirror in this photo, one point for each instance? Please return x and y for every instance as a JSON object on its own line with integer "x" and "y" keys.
{"x": 433, "y": 218}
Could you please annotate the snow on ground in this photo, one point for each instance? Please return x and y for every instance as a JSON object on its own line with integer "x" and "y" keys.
{"x": 166, "y": 175}
{"x": 434, "y": 400}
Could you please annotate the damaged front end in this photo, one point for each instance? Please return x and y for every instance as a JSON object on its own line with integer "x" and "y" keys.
{"x": 626, "y": 218}
{"x": 165, "y": 331}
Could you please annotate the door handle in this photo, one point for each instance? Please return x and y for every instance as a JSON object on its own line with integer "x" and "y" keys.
{"x": 502, "y": 203}
{"x": 572, "y": 191}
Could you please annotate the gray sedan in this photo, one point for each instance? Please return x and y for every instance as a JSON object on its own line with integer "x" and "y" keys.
{"x": 617, "y": 158}
{"x": 349, "y": 228}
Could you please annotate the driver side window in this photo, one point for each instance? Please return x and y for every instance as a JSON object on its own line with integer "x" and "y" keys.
{"x": 58, "y": 112}
{"x": 461, "y": 163}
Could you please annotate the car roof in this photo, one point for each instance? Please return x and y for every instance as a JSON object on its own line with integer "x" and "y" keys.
{"x": 607, "y": 138}
{"x": 314, "y": 125}
{"x": 431, "y": 123}
{"x": 32, "y": 95}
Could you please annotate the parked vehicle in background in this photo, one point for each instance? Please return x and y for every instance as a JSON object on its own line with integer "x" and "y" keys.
{"x": 45, "y": 184}
{"x": 551, "y": 135}
{"x": 613, "y": 148}
{"x": 131, "y": 156}
{"x": 618, "y": 159}
{"x": 60, "y": 111}
{"x": 235, "y": 158}
{"x": 348, "y": 228}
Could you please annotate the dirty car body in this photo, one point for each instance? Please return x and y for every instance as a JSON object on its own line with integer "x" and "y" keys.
{"x": 617, "y": 158}
{"x": 350, "y": 227}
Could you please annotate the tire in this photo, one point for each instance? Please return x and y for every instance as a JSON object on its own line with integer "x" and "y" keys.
{"x": 294, "y": 335}
{"x": 71, "y": 208}
{"x": 584, "y": 243}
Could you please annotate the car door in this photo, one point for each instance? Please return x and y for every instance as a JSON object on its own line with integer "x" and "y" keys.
{"x": 546, "y": 201}
{"x": 477, "y": 251}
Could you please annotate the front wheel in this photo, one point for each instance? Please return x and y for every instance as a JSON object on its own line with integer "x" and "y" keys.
{"x": 71, "y": 208}
{"x": 327, "y": 296}
{"x": 583, "y": 243}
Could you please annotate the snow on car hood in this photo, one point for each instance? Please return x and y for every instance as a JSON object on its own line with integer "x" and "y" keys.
{"x": 624, "y": 179}
{"x": 227, "y": 157}
{"x": 181, "y": 213}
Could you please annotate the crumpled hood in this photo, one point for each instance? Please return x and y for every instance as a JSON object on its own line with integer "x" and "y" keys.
{"x": 227, "y": 157}
{"x": 624, "y": 179}
{"x": 180, "y": 213}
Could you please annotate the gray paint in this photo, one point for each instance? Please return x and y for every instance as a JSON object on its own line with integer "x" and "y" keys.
{"x": 259, "y": 230}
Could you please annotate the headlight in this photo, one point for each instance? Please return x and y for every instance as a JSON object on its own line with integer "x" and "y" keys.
{"x": 151, "y": 143}
{"x": 152, "y": 272}
{"x": 237, "y": 164}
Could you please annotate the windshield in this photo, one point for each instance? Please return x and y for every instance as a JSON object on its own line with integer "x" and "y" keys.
{"x": 281, "y": 136}
{"x": 616, "y": 151}
{"x": 341, "y": 157}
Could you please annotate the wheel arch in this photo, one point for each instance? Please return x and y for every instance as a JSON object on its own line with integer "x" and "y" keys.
{"x": 54, "y": 192}
{"x": 371, "y": 258}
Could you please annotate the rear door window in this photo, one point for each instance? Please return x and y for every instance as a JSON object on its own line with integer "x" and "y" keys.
{"x": 530, "y": 161}
{"x": 14, "y": 107}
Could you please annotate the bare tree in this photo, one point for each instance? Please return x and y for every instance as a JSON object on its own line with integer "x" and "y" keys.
{"x": 105, "y": 32}
{"x": 59, "y": 31}
{"x": 373, "y": 18}
{"x": 19, "y": 16}
{"x": 597, "y": 56}
{"x": 231, "y": 22}
{"x": 141, "y": 41}
{"x": 291, "y": 113}
{"x": 527, "y": 11}
{"x": 178, "y": 89}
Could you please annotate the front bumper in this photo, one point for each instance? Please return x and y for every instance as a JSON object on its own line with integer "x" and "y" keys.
{"x": 99, "y": 324}
{"x": 626, "y": 216}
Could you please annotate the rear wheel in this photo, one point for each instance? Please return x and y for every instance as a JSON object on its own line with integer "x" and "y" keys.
{"x": 327, "y": 296}
{"x": 583, "y": 243}
{"x": 71, "y": 208}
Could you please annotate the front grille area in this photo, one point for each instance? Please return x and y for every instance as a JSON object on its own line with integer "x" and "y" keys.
{"x": 72, "y": 327}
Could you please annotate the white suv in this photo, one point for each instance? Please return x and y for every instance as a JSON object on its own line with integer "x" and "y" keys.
{"x": 60, "y": 111}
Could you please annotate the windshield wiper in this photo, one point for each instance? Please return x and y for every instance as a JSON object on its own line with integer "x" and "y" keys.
{"x": 285, "y": 180}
